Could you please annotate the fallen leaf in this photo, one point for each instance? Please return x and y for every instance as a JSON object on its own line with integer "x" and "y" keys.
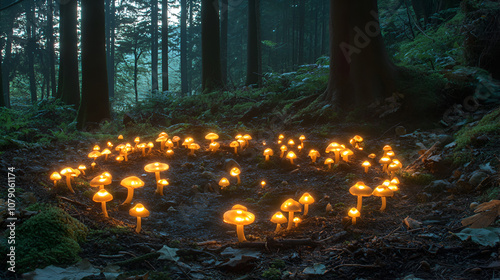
{"x": 316, "y": 269}
{"x": 168, "y": 253}
{"x": 481, "y": 236}
{"x": 487, "y": 213}
{"x": 239, "y": 257}
{"x": 76, "y": 272}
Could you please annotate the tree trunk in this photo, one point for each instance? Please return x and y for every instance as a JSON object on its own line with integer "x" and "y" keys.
{"x": 190, "y": 44}
{"x": 302, "y": 16}
{"x": 7, "y": 63}
{"x": 50, "y": 42}
{"x": 253, "y": 44}
{"x": 361, "y": 72}
{"x": 95, "y": 99}
{"x": 2, "y": 94}
{"x": 154, "y": 45}
{"x": 184, "y": 85}
{"x": 164, "y": 45}
{"x": 224, "y": 11}
{"x": 30, "y": 48}
{"x": 211, "y": 76}
{"x": 70, "y": 91}
{"x": 110, "y": 44}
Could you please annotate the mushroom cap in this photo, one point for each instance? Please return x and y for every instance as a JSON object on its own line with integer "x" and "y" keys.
{"x": 239, "y": 217}
{"x": 291, "y": 142}
{"x": 68, "y": 171}
{"x": 291, "y": 205}
{"x": 283, "y": 148}
{"x": 150, "y": 145}
{"x": 163, "y": 182}
{"x": 55, "y": 176}
{"x": 77, "y": 172}
{"x": 109, "y": 144}
{"x": 393, "y": 167}
{"x": 247, "y": 137}
{"x": 107, "y": 174}
{"x": 400, "y": 165}
{"x": 139, "y": 211}
{"x": 102, "y": 196}
{"x": 306, "y": 198}
{"x": 384, "y": 160}
{"x": 268, "y": 152}
{"x": 82, "y": 167}
{"x": 96, "y": 148}
{"x": 163, "y": 134}
{"x": 347, "y": 152}
{"x": 387, "y": 148}
{"x": 212, "y": 136}
{"x": 176, "y": 139}
{"x": 334, "y": 146}
{"x": 162, "y": 138}
{"x": 281, "y": 136}
{"x": 224, "y": 182}
{"x": 302, "y": 138}
{"x": 360, "y": 189}
{"x": 234, "y": 144}
{"x": 119, "y": 158}
{"x": 120, "y": 137}
{"x": 238, "y": 136}
{"x": 395, "y": 181}
{"x": 358, "y": 138}
{"x": 239, "y": 206}
{"x": 372, "y": 156}
{"x": 141, "y": 146}
{"x": 297, "y": 220}
{"x": 390, "y": 153}
{"x": 314, "y": 153}
{"x": 214, "y": 145}
{"x": 94, "y": 154}
{"x": 291, "y": 155}
{"x": 382, "y": 191}
{"x": 235, "y": 171}
{"x": 100, "y": 180}
{"x": 279, "y": 218}
{"x": 137, "y": 140}
{"x": 194, "y": 146}
{"x": 354, "y": 213}
{"x": 132, "y": 182}
{"x": 119, "y": 147}
{"x": 329, "y": 161}
{"x": 156, "y": 167}
{"x": 366, "y": 163}
{"x": 106, "y": 152}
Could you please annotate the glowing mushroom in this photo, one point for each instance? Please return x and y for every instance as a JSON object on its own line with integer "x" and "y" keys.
{"x": 291, "y": 156}
{"x": 212, "y": 136}
{"x": 82, "y": 168}
{"x": 235, "y": 172}
{"x": 302, "y": 138}
{"x": 392, "y": 168}
{"x": 283, "y": 149}
{"x": 96, "y": 148}
{"x": 268, "y": 152}
{"x": 110, "y": 145}
{"x": 162, "y": 138}
{"x": 68, "y": 172}
{"x": 335, "y": 148}
{"x": 103, "y": 196}
{"x": 100, "y": 181}
{"x": 305, "y": 200}
{"x": 234, "y": 145}
{"x": 119, "y": 159}
{"x": 156, "y": 167}
{"x": 131, "y": 183}
{"x": 345, "y": 154}
{"x": 187, "y": 141}
{"x": 383, "y": 192}
{"x": 354, "y": 213}
{"x": 139, "y": 211}
{"x": 278, "y": 218}
{"x": 150, "y": 146}
{"x": 296, "y": 221}
{"x": 142, "y": 146}
{"x": 214, "y": 146}
{"x": 395, "y": 181}
{"x": 313, "y": 154}
{"x": 136, "y": 141}
{"x": 176, "y": 140}
{"x": 193, "y": 147}
{"x": 223, "y": 183}
{"x": 329, "y": 161}
{"x": 169, "y": 144}
{"x": 386, "y": 149}
{"x": 160, "y": 185}
{"x": 120, "y": 137}
{"x": 94, "y": 154}
{"x": 360, "y": 189}
{"x": 384, "y": 161}
{"x": 55, "y": 176}
{"x": 240, "y": 218}
{"x": 291, "y": 143}
{"x": 247, "y": 139}
{"x": 105, "y": 152}
{"x": 357, "y": 142}
{"x": 170, "y": 152}
{"x": 290, "y": 206}
{"x": 366, "y": 164}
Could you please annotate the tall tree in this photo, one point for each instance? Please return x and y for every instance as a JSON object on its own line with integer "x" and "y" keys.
{"x": 184, "y": 84}
{"x": 2, "y": 94}
{"x": 224, "y": 13}
{"x": 302, "y": 16}
{"x": 7, "y": 61}
{"x": 360, "y": 69}
{"x": 50, "y": 45}
{"x": 154, "y": 45}
{"x": 164, "y": 45}
{"x": 110, "y": 11}
{"x": 253, "y": 47}
{"x": 31, "y": 47}
{"x": 95, "y": 99}
{"x": 211, "y": 76}
{"x": 69, "y": 82}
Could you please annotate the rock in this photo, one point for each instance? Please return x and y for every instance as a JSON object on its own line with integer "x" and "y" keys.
{"x": 461, "y": 187}
{"x": 209, "y": 175}
{"x": 473, "y": 205}
{"x": 437, "y": 186}
{"x": 477, "y": 178}
{"x": 444, "y": 139}
{"x": 400, "y": 130}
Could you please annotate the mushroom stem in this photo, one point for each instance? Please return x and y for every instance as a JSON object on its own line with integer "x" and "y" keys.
{"x": 55, "y": 183}
{"x": 105, "y": 158}
{"x": 238, "y": 177}
{"x": 241, "y": 235}
{"x": 101, "y": 187}
{"x": 278, "y": 227}
{"x": 291, "y": 160}
{"x": 314, "y": 160}
{"x": 236, "y": 150}
{"x": 267, "y": 157}
{"x": 159, "y": 189}
{"x": 360, "y": 203}
{"x": 383, "y": 204}
{"x": 366, "y": 169}
{"x": 125, "y": 156}
{"x": 306, "y": 209}
{"x": 329, "y": 166}
{"x": 282, "y": 154}
{"x": 162, "y": 145}
{"x": 353, "y": 220}
{"x": 68, "y": 182}
{"x": 138, "y": 228}
{"x": 290, "y": 220}
{"x": 337, "y": 156}
{"x": 143, "y": 152}
{"x": 157, "y": 177}
{"x": 149, "y": 151}
{"x": 130, "y": 195}
{"x": 104, "y": 211}
{"x": 192, "y": 152}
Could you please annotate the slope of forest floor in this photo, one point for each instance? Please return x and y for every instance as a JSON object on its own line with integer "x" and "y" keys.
{"x": 445, "y": 169}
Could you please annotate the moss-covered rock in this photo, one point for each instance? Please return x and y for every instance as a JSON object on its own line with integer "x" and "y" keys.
{"x": 51, "y": 237}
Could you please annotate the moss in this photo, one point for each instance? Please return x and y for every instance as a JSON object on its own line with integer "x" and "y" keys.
{"x": 489, "y": 124}
{"x": 51, "y": 237}
{"x": 489, "y": 194}
{"x": 421, "y": 179}
{"x": 272, "y": 274}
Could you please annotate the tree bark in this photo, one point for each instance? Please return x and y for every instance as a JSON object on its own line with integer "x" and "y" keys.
{"x": 110, "y": 9}
{"x": 2, "y": 94}
{"x": 224, "y": 13}
{"x": 7, "y": 62}
{"x": 30, "y": 48}
{"x": 361, "y": 72}
{"x": 69, "y": 80}
{"x": 253, "y": 44}
{"x": 164, "y": 45}
{"x": 302, "y": 16}
{"x": 154, "y": 45}
{"x": 210, "y": 46}
{"x": 184, "y": 85}
{"x": 50, "y": 42}
{"x": 95, "y": 99}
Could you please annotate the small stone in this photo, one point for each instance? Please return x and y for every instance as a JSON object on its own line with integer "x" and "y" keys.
{"x": 437, "y": 186}
{"x": 477, "y": 178}
{"x": 473, "y": 205}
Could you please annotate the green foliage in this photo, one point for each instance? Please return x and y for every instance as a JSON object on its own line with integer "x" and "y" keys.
{"x": 421, "y": 179}
{"x": 272, "y": 274}
{"x": 490, "y": 194}
{"x": 489, "y": 124}
{"x": 51, "y": 237}
{"x": 277, "y": 263}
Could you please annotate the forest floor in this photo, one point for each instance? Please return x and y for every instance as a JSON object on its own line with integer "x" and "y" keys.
{"x": 185, "y": 236}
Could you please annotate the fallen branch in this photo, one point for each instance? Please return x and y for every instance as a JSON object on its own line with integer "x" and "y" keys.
{"x": 272, "y": 243}
{"x": 424, "y": 156}
{"x": 74, "y": 202}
